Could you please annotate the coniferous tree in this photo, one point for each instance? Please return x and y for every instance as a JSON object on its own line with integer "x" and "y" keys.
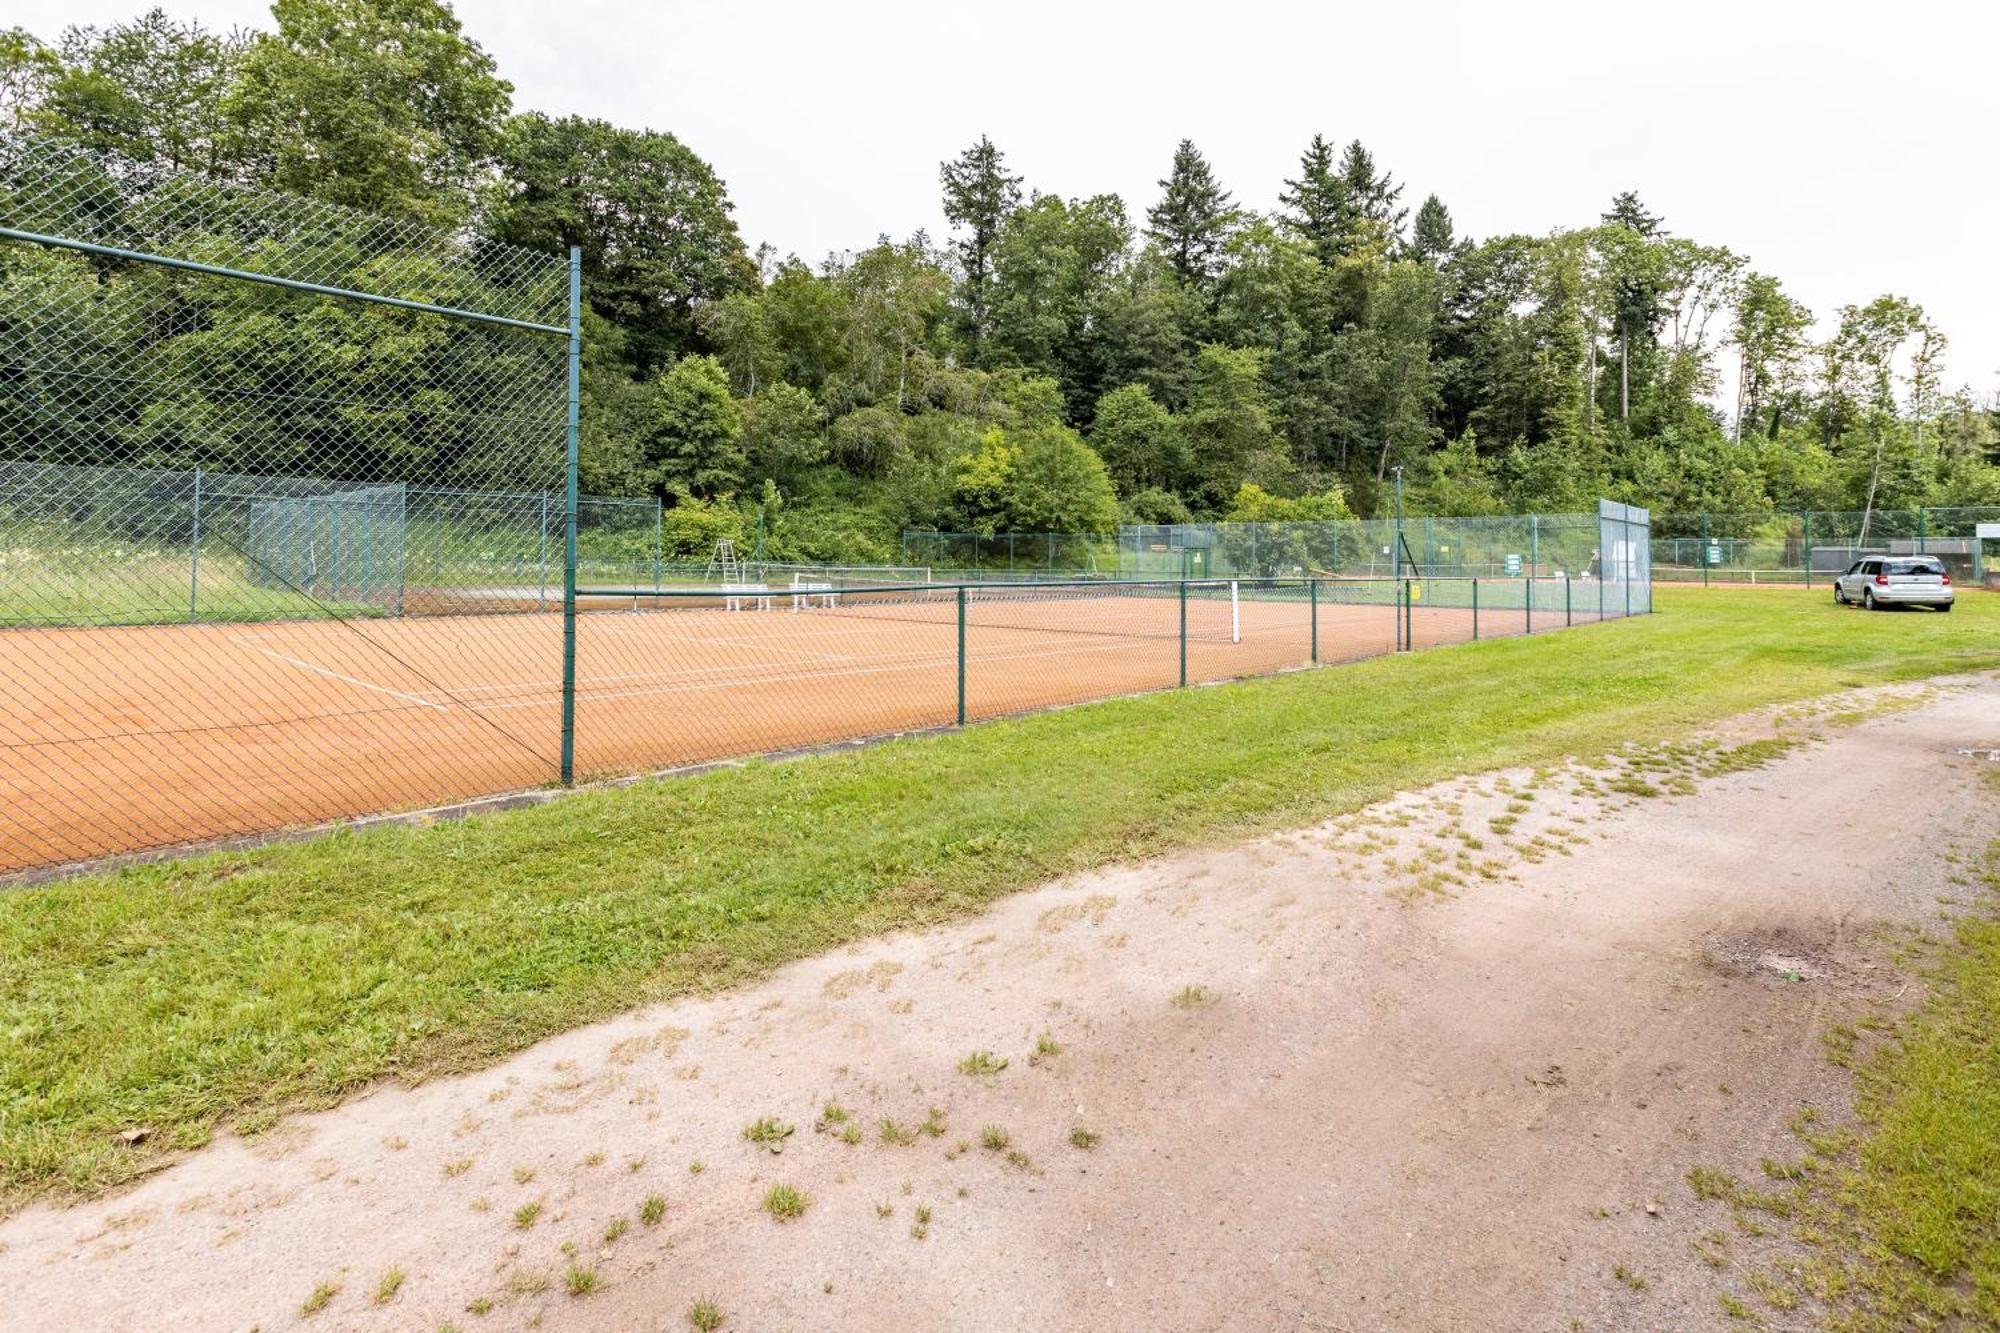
{"x": 1431, "y": 238}
{"x": 1192, "y": 221}
{"x": 1314, "y": 203}
{"x": 1637, "y": 315}
{"x": 1368, "y": 208}
{"x": 978, "y": 197}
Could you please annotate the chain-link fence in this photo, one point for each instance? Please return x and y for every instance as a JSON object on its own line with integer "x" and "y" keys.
{"x": 289, "y": 533}
{"x": 1810, "y": 547}
{"x": 1504, "y": 546}
{"x": 278, "y": 482}
{"x": 1022, "y": 553}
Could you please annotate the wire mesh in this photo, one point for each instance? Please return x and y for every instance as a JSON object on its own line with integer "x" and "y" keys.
{"x": 273, "y": 555}
{"x": 1811, "y": 546}
{"x": 251, "y": 534}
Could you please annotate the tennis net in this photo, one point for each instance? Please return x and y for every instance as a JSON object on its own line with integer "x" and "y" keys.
{"x": 1131, "y": 610}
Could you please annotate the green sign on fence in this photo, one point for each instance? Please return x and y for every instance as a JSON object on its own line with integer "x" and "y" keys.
{"x": 1513, "y": 566}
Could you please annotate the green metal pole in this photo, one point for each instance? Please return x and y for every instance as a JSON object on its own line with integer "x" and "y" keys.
{"x": 1396, "y": 564}
{"x": 659, "y": 540}
{"x": 1397, "y": 554}
{"x": 1475, "y": 610}
{"x": 194, "y": 554}
{"x": 569, "y": 517}
{"x": 1312, "y": 593}
{"x": 1922, "y": 536}
{"x": 1183, "y": 587}
{"x": 1528, "y": 602}
{"x": 1806, "y": 540}
{"x": 1568, "y": 619}
{"x": 961, "y": 654}
{"x": 1702, "y": 553}
{"x": 542, "y": 598}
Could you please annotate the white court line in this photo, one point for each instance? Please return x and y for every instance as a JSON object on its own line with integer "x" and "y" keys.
{"x": 882, "y": 665}
{"x": 358, "y": 684}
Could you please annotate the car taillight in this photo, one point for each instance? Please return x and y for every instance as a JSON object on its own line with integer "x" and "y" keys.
{"x": 1881, "y": 580}
{"x": 1947, "y": 580}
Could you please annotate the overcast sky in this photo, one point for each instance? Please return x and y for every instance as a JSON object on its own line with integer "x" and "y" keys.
{"x": 1847, "y": 147}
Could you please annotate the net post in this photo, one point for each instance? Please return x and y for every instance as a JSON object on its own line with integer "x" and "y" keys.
{"x": 1568, "y": 619}
{"x": 1528, "y": 603}
{"x": 1312, "y": 595}
{"x": 1183, "y": 591}
{"x": 1235, "y": 615}
{"x": 1475, "y": 608}
{"x": 194, "y": 554}
{"x": 569, "y": 518}
{"x": 961, "y": 654}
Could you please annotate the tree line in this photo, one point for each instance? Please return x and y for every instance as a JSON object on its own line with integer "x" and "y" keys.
{"x": 1050, "y": 363}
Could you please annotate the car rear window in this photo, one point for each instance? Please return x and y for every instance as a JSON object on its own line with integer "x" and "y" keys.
{"x": 1916, "y": 567}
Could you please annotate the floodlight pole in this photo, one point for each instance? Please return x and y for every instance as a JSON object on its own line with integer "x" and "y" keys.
{"x": 569, "y": 518}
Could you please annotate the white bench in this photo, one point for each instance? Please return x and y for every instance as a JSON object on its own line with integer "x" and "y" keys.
{"x": 804, "y": 590}
{"x": 735, "y": 594}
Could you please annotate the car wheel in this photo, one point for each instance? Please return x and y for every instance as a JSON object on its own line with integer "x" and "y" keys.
{"x": 1946, "y": 607}
{"x": 1868, "y": 599}
{"x": 1839, "y": 594}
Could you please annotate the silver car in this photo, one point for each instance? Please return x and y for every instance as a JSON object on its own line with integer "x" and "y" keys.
{"x": 1882, "y": 581}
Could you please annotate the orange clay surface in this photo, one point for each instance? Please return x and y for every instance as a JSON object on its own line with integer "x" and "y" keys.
{"x": 120, "y": 740}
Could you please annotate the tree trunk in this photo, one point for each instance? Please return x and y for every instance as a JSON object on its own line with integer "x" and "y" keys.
{"x": 1624, "y": 372}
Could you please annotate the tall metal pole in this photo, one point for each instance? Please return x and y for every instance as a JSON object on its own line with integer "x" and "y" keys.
{"x": 1312, "y": 593}
{"x": 194, "y": 554}
{"x": 542, "y": 596}
{"x": 1183, "y": 632}
{"x": 1396, "y": 564}
{"x": 569, "y": 517}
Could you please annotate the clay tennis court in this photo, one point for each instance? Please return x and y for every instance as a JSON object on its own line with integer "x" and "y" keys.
{"x": 132, "y": 738}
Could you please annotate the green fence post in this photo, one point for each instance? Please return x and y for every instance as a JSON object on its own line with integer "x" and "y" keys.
{"x": 1805, "y": 539}
{"x": 1568, "y": 619}
{"x": 194, "y": 554}
{"x": 1183, "y": 586}
{"x": 1475, "y": 609}
{"x": 542, "y": 597}
{"x": 1528, "y": 602}
{"x": 1922, "y": 537}
{"x": 1701, "y": 551}
{"x": 569, "y": 518}
{"x": 1312, "y": 594}
{"x": 961, "y": 654}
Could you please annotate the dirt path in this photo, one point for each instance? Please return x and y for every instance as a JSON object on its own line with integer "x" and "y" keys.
{"x": 1432, "y": 1072}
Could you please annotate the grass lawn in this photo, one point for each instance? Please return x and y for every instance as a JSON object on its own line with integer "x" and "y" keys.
{"x": 231, "y": 987}
{"x": 1916, "y": 1203}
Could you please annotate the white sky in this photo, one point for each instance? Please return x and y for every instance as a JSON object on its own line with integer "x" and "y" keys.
{"x": 1848, "y": 146}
